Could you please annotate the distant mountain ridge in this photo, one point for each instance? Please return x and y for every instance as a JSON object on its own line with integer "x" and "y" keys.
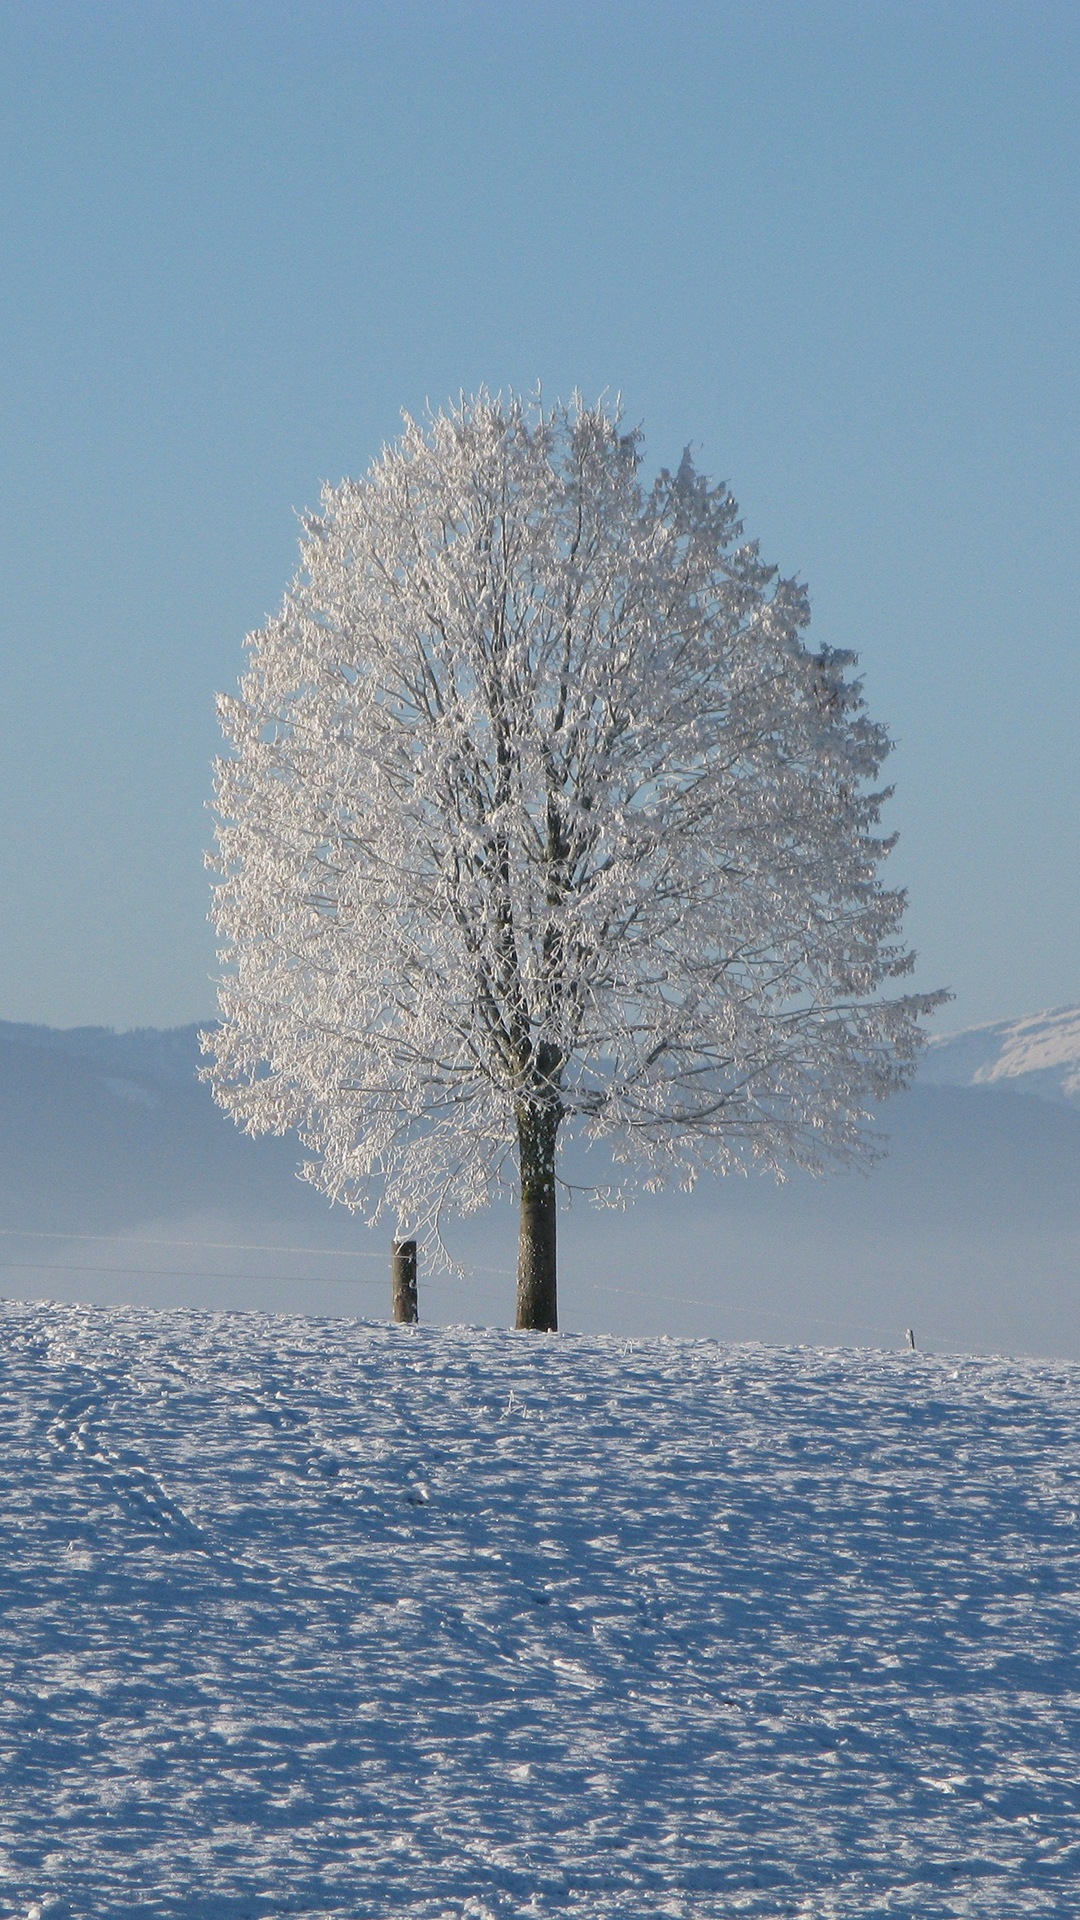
{"x": 968, "y": 1228}
{"x": 169, "y": 1054}
{"x": 1038, "y": 1055}
{"x": 101, "y": 1131}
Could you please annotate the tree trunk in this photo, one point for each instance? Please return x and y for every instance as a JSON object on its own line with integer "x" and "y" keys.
{"x": 538, "y": 1128}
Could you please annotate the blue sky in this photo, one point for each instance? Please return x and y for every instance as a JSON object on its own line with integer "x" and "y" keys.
{"x": 833, "y": 246}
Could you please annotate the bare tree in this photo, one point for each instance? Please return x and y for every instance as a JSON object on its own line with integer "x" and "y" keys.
{"x": 541, "y": 814}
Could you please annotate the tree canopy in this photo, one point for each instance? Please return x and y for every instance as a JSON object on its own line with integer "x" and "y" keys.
{"x": 541, "y": 813}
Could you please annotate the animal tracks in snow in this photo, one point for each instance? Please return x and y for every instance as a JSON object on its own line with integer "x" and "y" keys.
{"x": 72, "y": 1435}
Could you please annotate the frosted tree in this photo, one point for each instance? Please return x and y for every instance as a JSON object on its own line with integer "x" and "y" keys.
{"x": 541, "y": 815}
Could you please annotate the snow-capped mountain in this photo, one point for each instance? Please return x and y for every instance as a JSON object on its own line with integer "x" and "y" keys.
{"x": 1038, "y": 1055}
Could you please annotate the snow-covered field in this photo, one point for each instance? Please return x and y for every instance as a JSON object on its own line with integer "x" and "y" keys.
{"x": 328, "y": 1618}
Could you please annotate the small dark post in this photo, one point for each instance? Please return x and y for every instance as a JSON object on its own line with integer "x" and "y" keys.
{"x": 403, "y": 1281}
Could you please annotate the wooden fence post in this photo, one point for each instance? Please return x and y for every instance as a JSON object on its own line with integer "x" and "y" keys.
{"x": 403, "y": 1281}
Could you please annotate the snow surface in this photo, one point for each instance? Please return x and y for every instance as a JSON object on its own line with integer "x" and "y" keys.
{"x": 329, "y": 1618}
{"x": 1038, "y": 1055}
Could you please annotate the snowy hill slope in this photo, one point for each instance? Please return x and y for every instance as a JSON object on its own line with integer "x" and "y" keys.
{"x": 323, "y": 1619}
{"x": 1039, "y": 1055}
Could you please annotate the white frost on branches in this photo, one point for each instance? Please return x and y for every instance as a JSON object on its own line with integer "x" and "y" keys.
{"x": 536, "y": 793}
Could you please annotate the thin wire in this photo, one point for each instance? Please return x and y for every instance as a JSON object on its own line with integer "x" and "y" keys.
{"x": 436, "y": 1280}
{"x": 207, "y": 1246}
{"x": 211, "y": 1246}
{"x": 180, "y": 1273}
{"x": 349, "y": 1280}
